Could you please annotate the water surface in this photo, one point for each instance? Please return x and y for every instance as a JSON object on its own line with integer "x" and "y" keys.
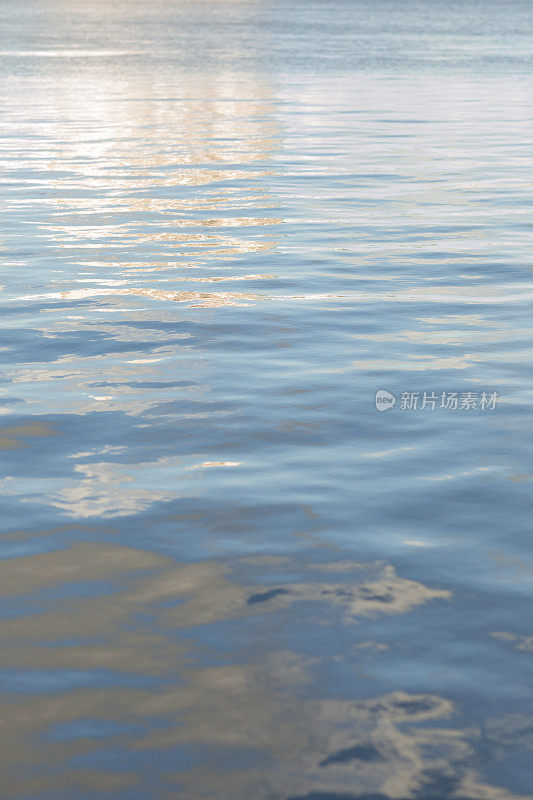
{"x": 226, "y": 226}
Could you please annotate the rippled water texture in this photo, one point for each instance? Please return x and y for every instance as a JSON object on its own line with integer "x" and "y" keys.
{"x": 225, "y": 575}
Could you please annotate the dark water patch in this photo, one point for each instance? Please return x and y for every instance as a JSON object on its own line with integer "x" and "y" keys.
{"x": 263, "y": 597}
{"x": 360, "y": 752}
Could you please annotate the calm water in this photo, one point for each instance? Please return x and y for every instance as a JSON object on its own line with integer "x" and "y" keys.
{"x": 225, "y": 575}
